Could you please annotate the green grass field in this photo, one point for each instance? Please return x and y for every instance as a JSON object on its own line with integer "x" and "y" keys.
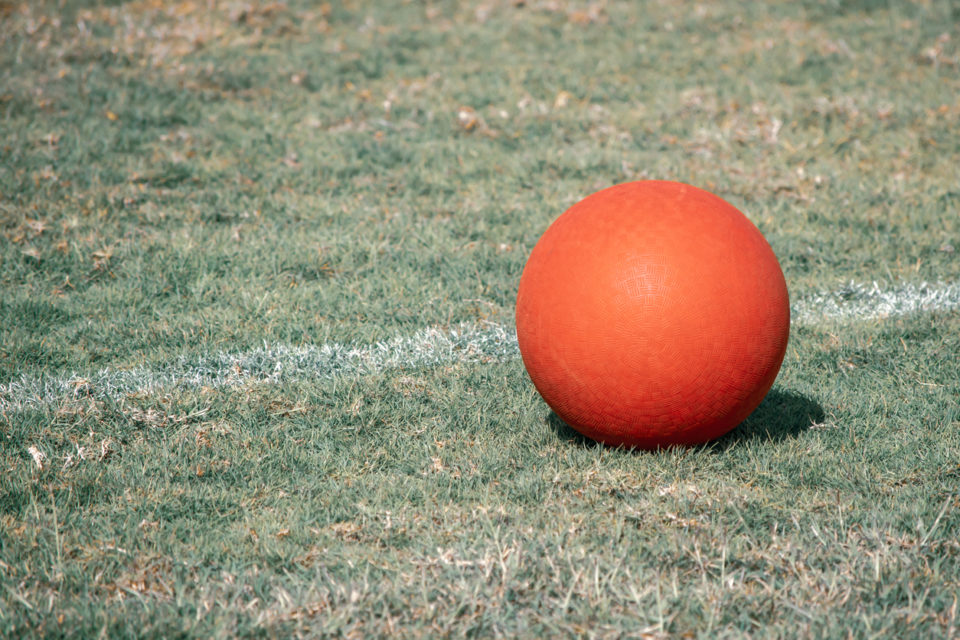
{"x": 259, "y": 264}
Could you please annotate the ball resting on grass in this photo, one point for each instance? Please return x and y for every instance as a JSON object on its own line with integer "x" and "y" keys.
{"x": 652, "y": 314}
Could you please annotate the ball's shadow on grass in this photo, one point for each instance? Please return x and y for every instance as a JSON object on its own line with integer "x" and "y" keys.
{"x": 568, "y": 435}
{"x": 781, "y": 415}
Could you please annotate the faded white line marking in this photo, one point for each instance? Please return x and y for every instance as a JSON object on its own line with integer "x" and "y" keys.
{"x": 861, "y": 301}
{"x": 484, "y": 342}
{"x": 271, "y": 363}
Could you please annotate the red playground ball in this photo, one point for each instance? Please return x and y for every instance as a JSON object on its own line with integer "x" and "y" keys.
{"x": 652, "y": 314}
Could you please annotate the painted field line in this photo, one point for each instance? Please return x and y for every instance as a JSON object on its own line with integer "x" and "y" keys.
{"x": 471, "y": 342}
{"x": 862, "y": 301}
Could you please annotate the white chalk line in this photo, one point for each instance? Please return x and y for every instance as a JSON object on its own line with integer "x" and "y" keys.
{"x": 468, "y": 342}
{"x": 862, "y": 301}
{"x": 278, "y": 363}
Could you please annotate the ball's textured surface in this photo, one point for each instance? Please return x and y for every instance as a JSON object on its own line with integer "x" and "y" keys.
{"x": 652, "y": 314}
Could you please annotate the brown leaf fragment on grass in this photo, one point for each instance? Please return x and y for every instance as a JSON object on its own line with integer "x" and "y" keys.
{"x": 101, "y": 258}
{"x": 50, "y": 140}
{"x": 349, "y": 531}
{"x": 307, "y": 611}
{"x": 39, "y": 457}
{"x": 36, "y": 226}
{"x": 149, "y": 418}
{"x": 468, "y": 118}
{"x": 884, "y": 111}
{"x": 46, "y": 174}
{"x": 591, "y": 14}
{"x": 145, "y": 578}
{"x": 106, "y": 449}
{"x": 409, "y": 386}
{"x": 81, "y": 387}
{"x": 937, "y": 54}
{"x": 72, "y": 459}
{"x": 201, "y": 439}
{"x": 470, "y": 121}
{"x": 687, "y": 523}
{"x": 356, "y": 406}
{"x": 285, "y": 408}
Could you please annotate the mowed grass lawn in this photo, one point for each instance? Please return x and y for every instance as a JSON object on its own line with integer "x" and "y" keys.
{"x": 184, "y": 180}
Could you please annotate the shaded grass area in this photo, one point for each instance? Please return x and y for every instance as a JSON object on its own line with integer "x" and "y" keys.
{"x": 184, "y": 177}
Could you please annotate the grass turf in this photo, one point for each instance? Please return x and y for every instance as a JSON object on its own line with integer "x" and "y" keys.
{"x": 184, "y": 178}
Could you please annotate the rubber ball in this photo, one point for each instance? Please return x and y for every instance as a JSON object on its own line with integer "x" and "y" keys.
{"x": 652, "y": 314}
